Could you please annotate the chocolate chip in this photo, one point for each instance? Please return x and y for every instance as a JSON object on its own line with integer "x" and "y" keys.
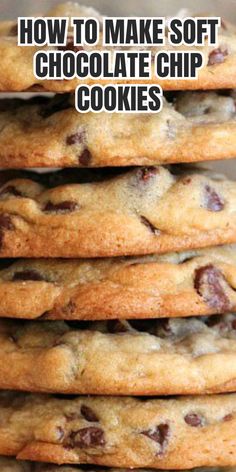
{"x": 208, "y": 283}
{"x": 56, "y": 104}
{"x": 76, "y": 138}
{"x": 28, "y": 275}
{"x": 192, "y": 419}
{"x": 89, "y": 414}
{"x": 6, "y": 222}
{"x": 160, "y": 435}
{"x": 63, "y": 207}
{"x": 86, "y": 437}
{"x": 186, "y": 180}
{"x": 85, "y": 158}
{"x": 11, "y": 190}
{"x": 217, "y": 56}
{"x": 228, "y": 417}
{"x": 116, "y": 326}
{"x": 149, "y": 225}
{"x": 212, "y": 200}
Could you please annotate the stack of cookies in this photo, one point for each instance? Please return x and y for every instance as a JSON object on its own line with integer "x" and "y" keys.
{"x": 118, "y": 273}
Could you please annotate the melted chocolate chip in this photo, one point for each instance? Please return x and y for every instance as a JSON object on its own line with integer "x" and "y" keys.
{"x": 86, "y": 437}
{"x": 160, "y": 435}
{"x": 149, "y": 225}
{"x": 89, "y": 414}
{"x": 6, "y": 222}
{"x": 217, "y": 56}
{"x": 85, "y": 158}
{"x": 192, "y": 419}
{"x": 208, "y": 283}
{"x": 116, "y": 326}
{"x": 63, "y": 207}
{"x": 186, "y": 180}
{"x": 76, "y": 138}
{"x": 212, "y": 200}
{"x": 11, "y": 190}
{"x": 56, "y": 104}
{"x": 31, "y": 275}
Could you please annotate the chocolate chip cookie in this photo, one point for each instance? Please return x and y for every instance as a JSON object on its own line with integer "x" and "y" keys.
{"x": 122, "y": 432}
{"x": 49, "y": 132}
{"x": 199, "y": 282}
{"x": 219, "y": 63}
{"x": 143, "y": 211}
{"x": 141, "y": 357}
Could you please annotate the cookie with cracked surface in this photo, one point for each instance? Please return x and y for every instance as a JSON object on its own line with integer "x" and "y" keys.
{"x": 184, "y": 432}
{"x": 218, "y": 71}
{"x": 141, "y": 357}
{"x": 142, "y": 211}
{"x": 49, "y": 132}
{"x": 197, "y": 282}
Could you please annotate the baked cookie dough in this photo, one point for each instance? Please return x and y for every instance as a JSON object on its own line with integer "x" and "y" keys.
{"x": 142, "y": 211}
{"x": 200, "y": 282}
{"x": 175, "y": 433}
{"x": 49, "y": 132}
{"x": 155, "y": 357}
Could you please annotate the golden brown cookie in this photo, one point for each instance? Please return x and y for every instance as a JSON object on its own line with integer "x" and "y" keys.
{"x": 49, "y": 132}
{"x": 125, "y": 432}
{"x": 143, "y": 211}
{"x": 156, "y": 357}
{"x": 200, "y": 282}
